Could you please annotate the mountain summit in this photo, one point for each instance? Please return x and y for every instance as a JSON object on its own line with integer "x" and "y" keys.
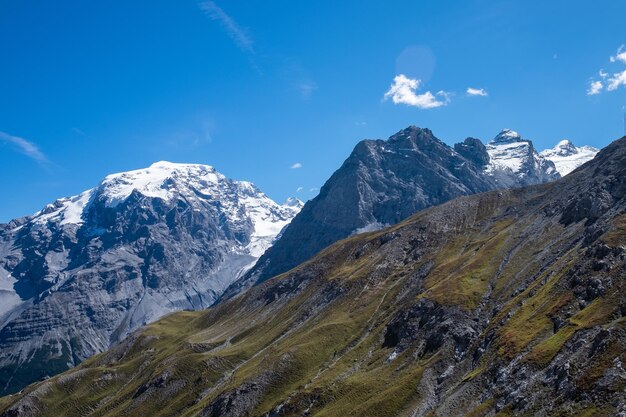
{"x": 385, "y": 181}
{"x": 381, "y": 183}
{"x": 514, "y": 162}
{"x": 85, "y": 271}
{"x": 567, "y": 157}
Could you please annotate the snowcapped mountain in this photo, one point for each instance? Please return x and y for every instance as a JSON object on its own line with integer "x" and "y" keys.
{"x": 513, "y": 161}
{"x": 85, "y": 271}
{"x": 567, "y": 157}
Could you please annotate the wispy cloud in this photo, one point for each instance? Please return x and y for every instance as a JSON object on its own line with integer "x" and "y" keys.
{"x": 299, "y": 189}
{"x": 619, "y": 56}
{"x": 24, "y": 146}
{"x": 476, "y": 92}
{"x": 314, "y": 189}
{"x": 306, "y": 88}
{"x": 236, "y": 33}
{"x": 404, "y": 91}
{"x": 595, "y": 87}
{"x": 78, "y": 131}
{"x": 297, "y": 165}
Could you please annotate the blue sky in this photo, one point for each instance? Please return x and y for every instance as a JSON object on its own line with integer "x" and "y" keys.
{"x": 254, "y": 87}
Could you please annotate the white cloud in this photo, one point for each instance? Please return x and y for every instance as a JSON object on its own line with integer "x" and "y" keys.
{"x": 297, "y": 165}
{"x": 299, "y": 189}
{"x": 617, "y": 79}
{"x": 610, "y": 82}
{"x": 619, "y": 56}
{"x": 314, "y": 189}
{"x": 23, "y": 146}
{"x": 476, "y": 92}
{"x": 403, "y": 91}
{"x": 594, "y": 88}
{"x": 78, "y": 131}
{"x": 236, "y": 33}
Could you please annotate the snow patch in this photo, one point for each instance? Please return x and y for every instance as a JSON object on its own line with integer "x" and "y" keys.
{"x": 65, "y": 210}
{"x": 370, "y": 227}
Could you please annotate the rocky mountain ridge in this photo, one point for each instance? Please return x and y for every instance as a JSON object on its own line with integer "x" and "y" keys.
{"x": 509, "y": 302}
{"x": 175, "y": 236}
{"x": 85, "y": 271}
{"x": 384, "y": 182}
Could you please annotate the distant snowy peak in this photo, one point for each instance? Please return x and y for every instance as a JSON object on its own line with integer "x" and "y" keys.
{"x": 160, "y": 180}
{"x": 567, "y": 157}
{"x": 197, "y": 184}
{"x": 294, "y": 203}
{"x": 513, "y": 161}
{"x": 508, "y": 151}
{"x": 563, "y": 148}
{"x": 507, "y": 136}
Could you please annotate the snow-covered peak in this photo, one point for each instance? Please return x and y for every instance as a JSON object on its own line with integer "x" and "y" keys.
{"x": 506, "y": 136}
{"x": 161, "y": 180}
{"x": 508, "y": 151}
{"x": 294, "y": 202}
{"x": 567, "y": 157}
{"x": 201, "y": 186}
{"x": 563, "y": 148}
{"x": 513, "y": 161}
{"x": 172, "y": 166}
{"x": 565, "y": 143}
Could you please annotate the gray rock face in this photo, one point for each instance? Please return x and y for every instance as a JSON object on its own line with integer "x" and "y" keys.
{"x": 473, "y": 150}
{"x": 384, "y": 182}
{"x": 85, "y": 271}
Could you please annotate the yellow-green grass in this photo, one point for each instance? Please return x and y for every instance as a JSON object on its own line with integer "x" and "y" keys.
{"x": 465, "y": 266}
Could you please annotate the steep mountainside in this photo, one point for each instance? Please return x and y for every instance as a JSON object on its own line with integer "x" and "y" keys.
{"x": 504, "y": 303}
{"x": 87, "y": 270}
{"x": 384, "y": 182}
{"x": 567, "y": 157}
